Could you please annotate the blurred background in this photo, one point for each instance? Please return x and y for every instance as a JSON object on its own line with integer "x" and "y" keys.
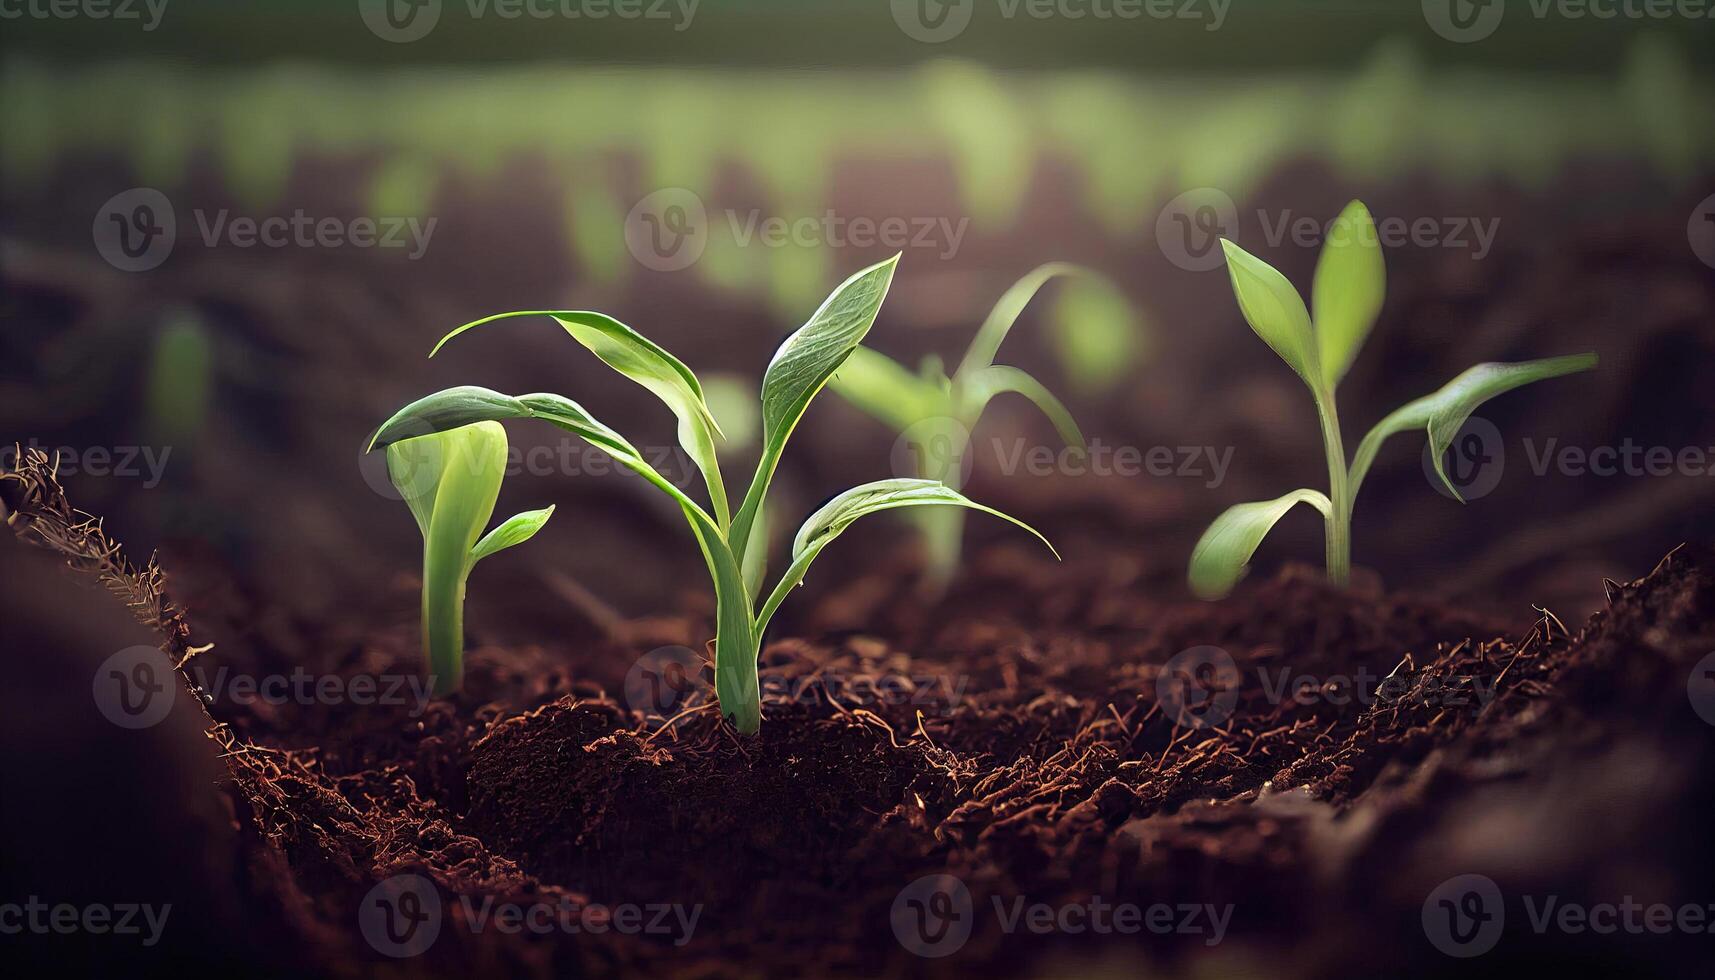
{"x": 231, "y": 232}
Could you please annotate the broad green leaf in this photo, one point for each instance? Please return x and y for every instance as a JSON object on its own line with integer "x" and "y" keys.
{"x": 800, "y": 368}
{"x": 471, "y": 462}
{"x": 1346, "y": 297}
{"x": 1225, "y": 549}
{"x": 826, "y": 524}
{"x": 978, "y": 387}
{"x": 650, "y": 365}
{"x": 881, "y": 387}
{"x": 1275, "y": 311}
{"x": 515, "y": 530}
{"x": 1097, "y": 333}
{"x": 1444, "y": 413}
{"x": 989, "y": 336}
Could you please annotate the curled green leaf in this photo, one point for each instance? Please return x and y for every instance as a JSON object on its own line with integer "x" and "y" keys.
{"x": 1443, "y": 413}
{"x": 1225, "y": 549}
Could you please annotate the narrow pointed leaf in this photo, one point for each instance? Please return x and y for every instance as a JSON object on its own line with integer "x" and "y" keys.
{"x": 650, "y": 365}
{"x": 981, "y": 386}
{"x": 1275, "y": 311}
{"x": 1346, "y": 297}
{"x": 800, "y": 368}
{"x": 1006, "y": 311}
{"x": 826, "y": 524}
{"x": 1224, "y": 551}
{"x": 515, "y": 530}
{"x": 1443, "y": 413}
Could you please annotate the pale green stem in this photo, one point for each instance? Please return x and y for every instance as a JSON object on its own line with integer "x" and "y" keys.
{"x": 1338, "y": 526}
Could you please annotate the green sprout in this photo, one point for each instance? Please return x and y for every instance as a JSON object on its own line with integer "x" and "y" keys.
{"x": 935, "y": 414}
{"x": 730, "y": 541}
{"x": 1347, "y": 293}
{"x": 451, "y": 481}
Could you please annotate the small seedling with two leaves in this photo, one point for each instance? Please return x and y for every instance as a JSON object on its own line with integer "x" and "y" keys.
{"x": 934, "y": 415}
{"x": 441, "y": 450}
{"x": 1347, "y": 295}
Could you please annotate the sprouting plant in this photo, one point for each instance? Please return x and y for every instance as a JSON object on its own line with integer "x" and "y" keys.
{"x": 935, "y": 414}
{"x": 451, "y": 480}
{"x": 729, "y": 540}
{"x": 1347, "y": 295}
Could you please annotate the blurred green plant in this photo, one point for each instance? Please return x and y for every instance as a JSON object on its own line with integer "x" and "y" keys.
{"x": 729, "y": 540}
{"x": 180, "y": 381}
{"x": 1347, "y": 293}
{"x": 934, "y": 414}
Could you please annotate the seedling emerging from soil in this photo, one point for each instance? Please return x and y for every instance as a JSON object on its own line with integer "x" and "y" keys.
{"x": 935, "y": 414}
{"x": 451, "y": 480}
{"x": 729, "y": 542}
{"x": 1347, "y": 293}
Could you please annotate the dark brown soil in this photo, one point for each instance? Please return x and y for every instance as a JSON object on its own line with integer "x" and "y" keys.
{"x": 1014, "y": 737}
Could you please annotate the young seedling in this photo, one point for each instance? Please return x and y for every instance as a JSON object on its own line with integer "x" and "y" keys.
{"x": 451, "y": 480}
{"x": 1347, "y": 294}
{"x": 935, "y": 414}
{"x": 728, "y": 539}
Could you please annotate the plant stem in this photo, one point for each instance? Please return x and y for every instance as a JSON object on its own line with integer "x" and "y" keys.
{"x": 1338, "y": 527}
